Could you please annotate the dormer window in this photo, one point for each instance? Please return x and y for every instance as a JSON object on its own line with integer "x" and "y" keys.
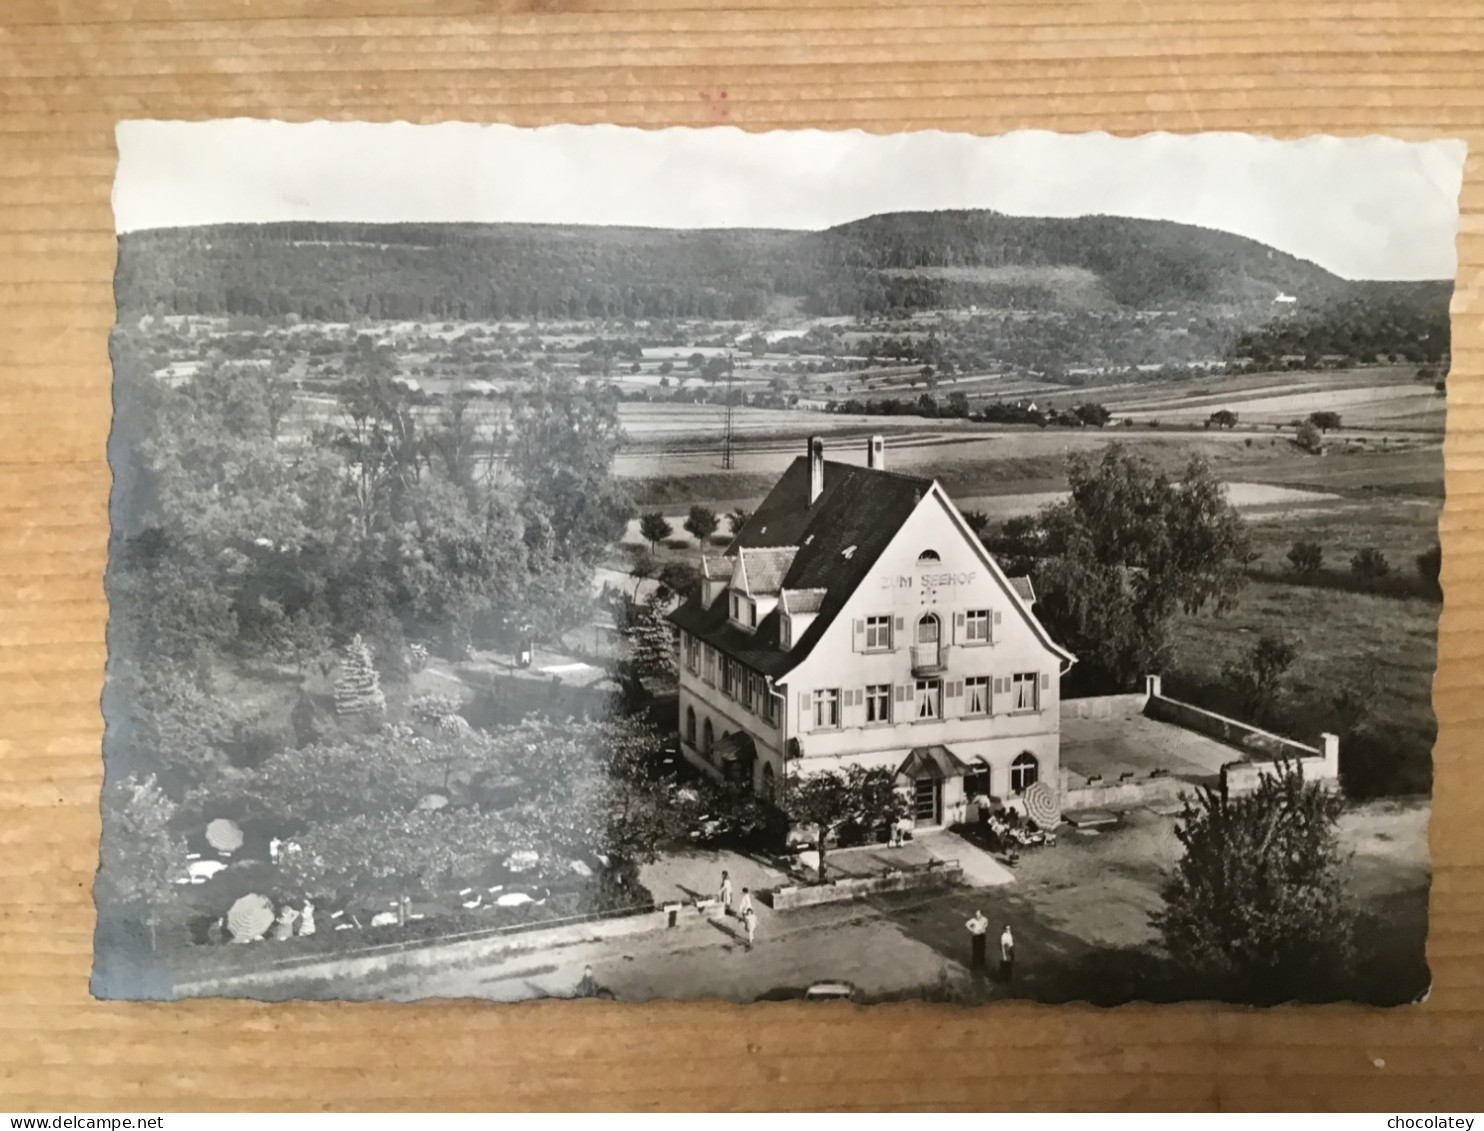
{"x": 928, "y": 557}
{"x": 743, "y": 611}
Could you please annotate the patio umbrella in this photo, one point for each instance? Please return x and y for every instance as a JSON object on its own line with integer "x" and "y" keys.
{"x": 224, "y": 835}
{"x": 1041, "y": 805}
{"x": 250, "y": 918}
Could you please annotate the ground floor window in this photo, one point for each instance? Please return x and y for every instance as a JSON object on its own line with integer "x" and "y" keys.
{"x": 977, "y": 783}
{"x": 1024, "y": 772}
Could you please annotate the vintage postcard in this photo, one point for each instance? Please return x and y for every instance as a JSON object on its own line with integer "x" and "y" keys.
{"x": 587, "y": 562}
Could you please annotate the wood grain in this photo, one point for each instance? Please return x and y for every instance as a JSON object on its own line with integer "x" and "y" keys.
{"x": 70, "y": 69}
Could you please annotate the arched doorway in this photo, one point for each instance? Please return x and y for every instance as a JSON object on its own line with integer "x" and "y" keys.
{"x": 1024, "y": 772}
{"x": 690, "y": 725}
{"x": 770, "y": 782}
{"x": 708, "y": 735}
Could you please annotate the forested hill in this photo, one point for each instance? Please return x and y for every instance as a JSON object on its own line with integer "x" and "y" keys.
{"x": 896, "y": 262}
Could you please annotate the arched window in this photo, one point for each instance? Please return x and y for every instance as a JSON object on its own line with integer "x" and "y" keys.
{"x": 928, "y": 557}
{"x": 709, "y": 737}
{"x": 1023, "y": 772}
{"x": 690, "y": 725}
{"x": 928, "y": 629}
{"x": 770, "y": 782}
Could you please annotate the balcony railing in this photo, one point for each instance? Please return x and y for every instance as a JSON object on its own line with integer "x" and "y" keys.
{"x": 929, "y": 659}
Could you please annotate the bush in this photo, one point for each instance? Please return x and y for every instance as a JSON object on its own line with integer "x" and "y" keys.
{"x": 1370, "y": 563}
{"x": 1309, "y": 438}
{"x": 1306, "y": 556}
{"x": 1430, "y": 565}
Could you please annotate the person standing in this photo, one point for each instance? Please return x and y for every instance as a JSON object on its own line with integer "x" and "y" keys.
{"x": 978, "y": 928}
{"x": 588, "y": 986}
{"x": 1007, "y": 955}
{"x": 744, "y": 905}
{"x": 749, "y": 920}
{"x": 725, "y": 895}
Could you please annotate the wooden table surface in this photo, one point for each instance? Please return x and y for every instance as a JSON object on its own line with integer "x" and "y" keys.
{"x": 69, "y": 69}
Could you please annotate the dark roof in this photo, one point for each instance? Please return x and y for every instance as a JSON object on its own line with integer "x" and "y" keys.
{"x": 839, "y": 539}
{"x": 762, "y": 570}
{"x": 932, "y": 762}
{"x": 1022, "y": 587}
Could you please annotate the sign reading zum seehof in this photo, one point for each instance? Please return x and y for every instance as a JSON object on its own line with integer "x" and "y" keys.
{"x": 597, "y": 563}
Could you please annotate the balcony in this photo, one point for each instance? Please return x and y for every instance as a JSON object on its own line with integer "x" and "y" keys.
{"x": 929, "y": 659}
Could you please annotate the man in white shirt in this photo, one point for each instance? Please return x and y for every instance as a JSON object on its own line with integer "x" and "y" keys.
{"x": 1007, "y": 955}
{"x": 978, "y": 927}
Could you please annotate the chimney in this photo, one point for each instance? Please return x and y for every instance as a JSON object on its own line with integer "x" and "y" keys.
{"x": 816, "y": 468}
{"x": 876, "y": 453}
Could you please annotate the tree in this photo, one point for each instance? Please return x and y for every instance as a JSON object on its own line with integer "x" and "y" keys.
{"x": 680, "y": 579}
{"x": 1258, "y": 899}
{"x": 737, "y": 518}
{"x": 695, "y": 361}
{"x": 1092, "y": 414}
{"x": 701, "y": 522}
{"x": 1309, "y": 438}
{"x": 1222, "y": 418}
{"x": 828, "y": 799}
{"x": 655, "y": 528}
{"x": 1325, "y": 421}
{"x": 1430, "y": 565}
{"x": 140, "y": 857}
{"x": 1258, "y": 676}
{"x": 1131, "y": 547}
{"x": 1369, "y": 563}
{"x": 1306, "y": 556}
{"x": 358, "y": 688}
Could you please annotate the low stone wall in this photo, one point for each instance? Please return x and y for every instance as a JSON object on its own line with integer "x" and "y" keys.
{"x": 944, "y": 874}
{"x": 416, "y": 955}
{"x": 1104, "y": 706}
{"x": 1124, "y": 795}
{"x": 1246, "y": 738}
{"x": 1240, "y": 778}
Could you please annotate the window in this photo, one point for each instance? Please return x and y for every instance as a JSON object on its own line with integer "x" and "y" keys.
{"x": 736, "y": 608}
{"x": 1023, "y": 772}
{"x": 786, "y": 632}
{"x": 929, "y": 699}
{"x": 729, "y": 677}
{"x": 878, "y": 633}
{"x": 692, "y": 654}
{"x": 827, "y": 708}
{"x": 976, "y": 626}
{"x": 751, "y": 614}
{"x": 878, "y": 703}
{"x": 927, "y": 557}
{"x": 768, "y": 705}
{"x": 690, "y": 725}
{"x": 1023, "y": 687}
{"x": 709, "y": 736}
{"x": 710, "y": 660}
{"x": 977, "y": 782}
{"x": 976, "y": 695}
{"x": 770, "y": 782}
{"x": 927, "y": 630}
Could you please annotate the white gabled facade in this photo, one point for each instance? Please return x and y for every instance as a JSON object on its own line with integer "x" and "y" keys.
{"x": 934, "y": 664}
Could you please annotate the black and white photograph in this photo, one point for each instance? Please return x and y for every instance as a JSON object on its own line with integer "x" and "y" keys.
{"x": 599, "y": 563}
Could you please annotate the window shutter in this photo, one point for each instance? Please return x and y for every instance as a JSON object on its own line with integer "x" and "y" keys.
{"x": 901, "y": 624}
{"x": 804, "y": 720}
{"x": 904, "y": 692}
{"x": 860, "y": 636}
{"x": 997, "y": 616}
{"x": 999, "y": 686}
{"x": 958, "y": 628}
{"x": 955, "y": 688}
{"x": 1045, "y": 681}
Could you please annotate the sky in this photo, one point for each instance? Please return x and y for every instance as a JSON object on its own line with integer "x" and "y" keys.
{"x": 1364, "y": 208}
